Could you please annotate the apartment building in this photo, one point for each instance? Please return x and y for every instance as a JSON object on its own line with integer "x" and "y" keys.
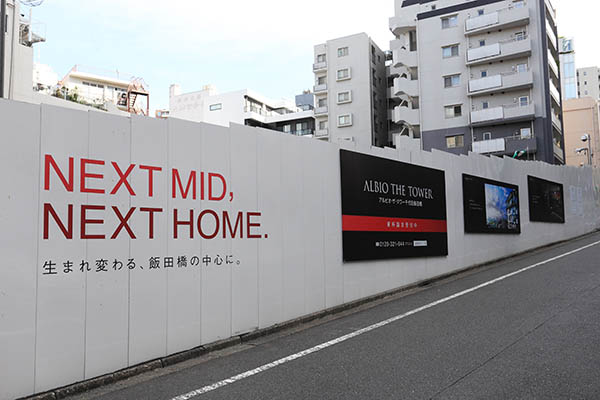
{"x": 582, "y": 119}
{"x": 97, "y": 86}
{"x": 244, "y": 107}
{"x": 479, "y": 76}
{"x": 351, "y": 91}
{"x": 568, "y": 72}
{"x": 588, "y": 82}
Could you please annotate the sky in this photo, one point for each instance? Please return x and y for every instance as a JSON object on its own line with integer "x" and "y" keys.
{"x": 264, "y": 45}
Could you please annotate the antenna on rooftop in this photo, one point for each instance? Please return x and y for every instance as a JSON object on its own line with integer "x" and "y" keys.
{"x": 32, "y": 3}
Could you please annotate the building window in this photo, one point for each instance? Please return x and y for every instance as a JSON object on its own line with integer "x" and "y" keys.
{"x": 287, "y": 128}
{"x": 480, "y": 12}
{"x": 485, "y": 105}
{"x": 344, "y": 120}
{"x": 450, "y": 22}
{"x": 215, "y": 107}
{"x": 455, "y": 141}
{"x": 521, "y": 68}
{"x": 482, "y": 43}
{"x": 450, "y": 51}
{"x": 483, "y": 73}
{"x": 523, "y": 101}
{"x": 487, "y": 135}
{"x": 321, "y": 80}
{"x": 343, "y": 97}
{"x": 520, "y": 36}
{"x": 343, "y": 73}
{"x": 526, "y": 133}
{"x": 323, "y": 125}
{"x": 323, "y": 102}
{"x": 519, "y": 3}
{"x": 453, "y": 111}
{"x": 321, "y": 58}
{"x": 342, "y": 51}
{"x": 452, "y": 81}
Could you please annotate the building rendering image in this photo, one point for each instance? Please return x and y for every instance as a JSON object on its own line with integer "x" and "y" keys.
{"x": 478, "y": 76}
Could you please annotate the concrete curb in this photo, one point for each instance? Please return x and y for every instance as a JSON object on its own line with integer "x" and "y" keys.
{"x": 94, "y": 383}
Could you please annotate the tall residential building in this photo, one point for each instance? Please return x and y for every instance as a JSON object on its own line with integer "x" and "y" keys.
{"x": 243, "y": 107}
{"x": 581, "y": 118}
{"x": 478, "y": 76}
{"x": 568, "y": 72}
{"x": 588, "y": 82}
{"x": 351, "y": 91}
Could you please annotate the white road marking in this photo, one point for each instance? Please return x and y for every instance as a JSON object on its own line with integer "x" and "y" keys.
{"x": 359, "y": 332}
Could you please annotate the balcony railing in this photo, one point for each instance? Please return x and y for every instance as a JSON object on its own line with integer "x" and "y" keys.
{"x": 506, "y": 146}
{"x": 551, "y": 36}
{"x": 504, "y": 50}
{"x": 404, "y": 57}
{"x": 401, "y": 24}
{"x": 321, "y": 133}
{"x": 405, "y": 115}
{"x": 507, "y": 113}
{"x": 404, "y": 86}
{"x": 318, "y": 66}
{"x": 552, "y": 64}
{"x": 320, "y": 88}
{"x": 554, "y": 92}
{"x": 506, "y": 18}
{"x": 321, "y": 110}
{"x": 501, "y": 82}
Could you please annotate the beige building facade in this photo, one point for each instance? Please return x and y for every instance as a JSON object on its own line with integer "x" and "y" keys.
{"x": 580, "y": 118}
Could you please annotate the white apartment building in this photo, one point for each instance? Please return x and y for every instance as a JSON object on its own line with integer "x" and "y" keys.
{"x": 351, "y": 91}
{"x": 244, "y": 107}
{"x": 478, "y": 75}
{"x": 588, "y": 82}
{"x": 97, "y": 86}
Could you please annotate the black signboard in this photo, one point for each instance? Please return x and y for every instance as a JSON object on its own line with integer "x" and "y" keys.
{"x": 490, "y": 206}
{"x": 391, "y": 209}
{"x": 546, "y": 201}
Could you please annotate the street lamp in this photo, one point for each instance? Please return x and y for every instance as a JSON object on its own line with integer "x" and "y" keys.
{"x": 586, "y": 139}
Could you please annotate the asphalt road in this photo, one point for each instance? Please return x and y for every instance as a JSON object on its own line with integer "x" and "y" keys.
{"x": 533, "y": 335}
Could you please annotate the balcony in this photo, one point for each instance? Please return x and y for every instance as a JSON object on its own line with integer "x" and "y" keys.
{"x": 323, "y": 110}
{"x": 501, "y": 83}
{"x": 506, "y": 146}
{"x": 322, "y": 133}
{"x": 320, "y": 88}
{"x": 558, "y": 152}
{"x": 552, "y": 64}
{"x": 405, "y": 115}
{"x": 503, "y": 114}
{"x": 556, "y": 122}
{"x": 500, "y": 51}
{"x": 403, "y": 57}
{"x": 551, "y": 37}
{"x": 404, "y": 86}
{"x": 555, "y": 94}
{"x": 402, "y": 24}
{"x": 502, "y": 19}
{"x": 319, "y": 66}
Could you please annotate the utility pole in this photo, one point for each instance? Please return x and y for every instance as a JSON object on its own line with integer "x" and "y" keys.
{"x": 3, "y": 29}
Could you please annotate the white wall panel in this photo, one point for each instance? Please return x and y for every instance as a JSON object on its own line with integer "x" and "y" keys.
{"x": 148, "y": 287}
{"x": 19, "y": 160}
{"x": 61, "y": 300}
{"x": 107, "y": 293}
{"x": 216, "y": 280}
{"x": 184, "y": 280}
{"x": 292, "y": 184}
{"x": 312, "y": 224}
{"x": 270, "y": 250}
{"x": 332, "y": 226}
{"x": 244, "y": 278}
